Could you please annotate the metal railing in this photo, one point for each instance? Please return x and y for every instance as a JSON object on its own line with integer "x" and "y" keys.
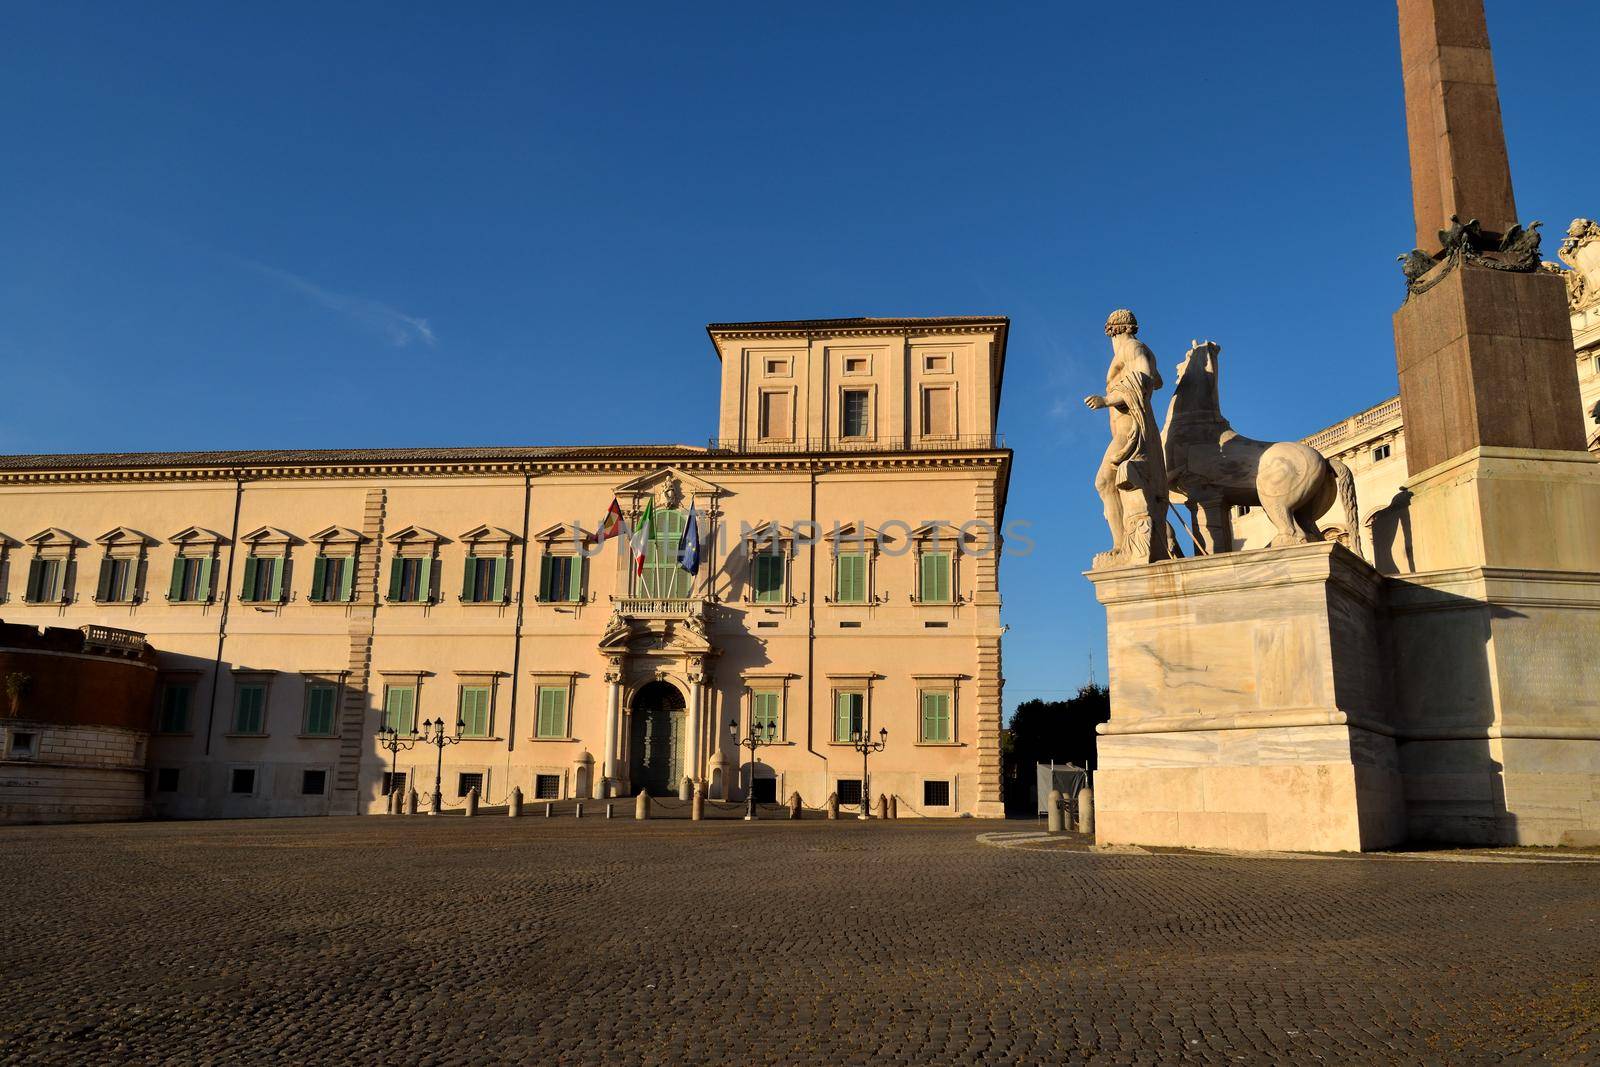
{"x": 811, "y": 445}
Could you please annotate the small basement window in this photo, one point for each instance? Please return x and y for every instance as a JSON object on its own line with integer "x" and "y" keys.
{"x": 849, "y": 790}
{"x": 313, "y": 783}
{"x": 936, "y": 794}
{"x": 166, "y": 780}
{"x": 466, "y": 783}
{"x": 22, "y": 745}
{"x": 766, "y": 790}
{"x": 547, "y": 787}
{"x": 394, "y": 783}
{"x": 243, "y": 782}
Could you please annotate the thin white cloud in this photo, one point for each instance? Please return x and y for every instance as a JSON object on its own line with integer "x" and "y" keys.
{"x": 395, "y": 326}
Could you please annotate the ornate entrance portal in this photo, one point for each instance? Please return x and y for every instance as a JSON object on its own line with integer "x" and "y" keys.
{"x": 656, "y": 740}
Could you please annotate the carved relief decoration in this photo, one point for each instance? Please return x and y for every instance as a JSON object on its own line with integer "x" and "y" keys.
{"x": 1467, "y": 242}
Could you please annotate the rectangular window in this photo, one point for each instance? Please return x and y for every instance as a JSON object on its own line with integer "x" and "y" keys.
{"x": 767, "y": 567}
{"x": 321, "y": 702}
{"x": 313, "y": 783}
{"x": 552, "y": 720}
{"x": 561, "y": 579}
{"x": 116, "y": 580}
{"x": 411, "y": 580}
{"x": 393, "y": 783}
{"x": 849, "y": 791}
{"x": 936, "y": 364}
{"x": 547, "y": 787}
{"x": 938, "y": 412}
{"x": 933, "y": 578}
{"x": 176, "y": 700}
{"x": 484, "y": 580}
{"x": 474, "y": 711}
{"x": 191, "y": 580}
{"x": 777, "y": 368}
{"x": 936, "y": 716}
{"x": 250, "y": 709}
{"x": 466, "y": 783}
{"x": 22, "y": 745}
{"x": 1380, "y": 453}
{"x": 766, "y": 790}
{"x": 333, "y": 579}
{"x": 764, "y": 708}
{"x": 775, "y": 424}
{"x": 664, "y": 575}
{"x": 46, "y": 581}
{"x": 857, "y": 365}
{"x": 166, "y": 780}
{"x": 848, "y": 711}
{"x": 242, "y": 781}
{"x": 400, "y": 708}
{"x": 263, "y": 580}
{"x": 852, "y": 578}
{"x": 853, "y": 413}
{"x": 936, "y": 794}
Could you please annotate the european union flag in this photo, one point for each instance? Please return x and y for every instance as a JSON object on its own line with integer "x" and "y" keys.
{"x": 689, "y": 543}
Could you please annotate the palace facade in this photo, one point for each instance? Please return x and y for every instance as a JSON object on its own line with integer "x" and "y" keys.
{"x": 298, "y": 602}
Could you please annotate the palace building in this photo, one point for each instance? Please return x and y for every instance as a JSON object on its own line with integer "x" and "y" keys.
{"x": 294, "y": 603}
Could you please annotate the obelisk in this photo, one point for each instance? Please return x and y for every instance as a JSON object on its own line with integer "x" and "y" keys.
{"x": 1497, "y": 681}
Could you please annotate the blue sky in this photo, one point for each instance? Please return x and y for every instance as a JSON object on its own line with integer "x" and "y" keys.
{"x": 225, "y": 226}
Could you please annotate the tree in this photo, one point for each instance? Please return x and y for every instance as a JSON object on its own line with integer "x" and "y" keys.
{"x": 1043, "y": 731}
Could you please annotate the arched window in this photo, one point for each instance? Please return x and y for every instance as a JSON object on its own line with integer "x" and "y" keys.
{"x": 663, "y": 574}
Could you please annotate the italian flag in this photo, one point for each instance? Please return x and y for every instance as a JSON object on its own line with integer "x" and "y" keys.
{"x": 611, "y": 525}
{"x": 642, "y": 534}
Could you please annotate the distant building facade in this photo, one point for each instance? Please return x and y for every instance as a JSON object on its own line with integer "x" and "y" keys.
{"x": 1372, "y": 443}
{"x": 849, "y": 514}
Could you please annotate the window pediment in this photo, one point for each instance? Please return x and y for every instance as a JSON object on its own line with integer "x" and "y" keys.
{"x": 195, "y": 535}
{"x": 54, "y": 537}
{"x": 564, "y": 533}
{"x": 853, "y": 537}
{"x": 124, "y": 537}
{"x": 269, "y": 537}
{"x": 489, "y": 536}
{"x": 769, "y": 533}
{"x": 416, "y": 535}
{"x": 341, "y": 536}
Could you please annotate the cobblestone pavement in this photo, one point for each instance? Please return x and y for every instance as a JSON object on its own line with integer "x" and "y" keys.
{"x": 391, "y": 940}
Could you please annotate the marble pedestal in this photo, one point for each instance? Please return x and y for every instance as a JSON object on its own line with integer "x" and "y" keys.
{"x": 1249, "y": 704}
{"x": 1496, "y": 644}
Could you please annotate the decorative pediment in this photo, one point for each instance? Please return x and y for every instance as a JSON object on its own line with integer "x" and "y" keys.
{"x": 488, "y": 535}
{"x": 671, "y": 487}
{"x": 195, "y": 535}
{"x": 54, "y": 537}
{"x": 944, "y": 532}
{"x": 569, "y": 532}
{"x": 337, "y": 535}
{"x": 769, "y": 533}
{"x": 416, "y": 535}
{"x": 269, "y": 537}
{"x": 851, "y": 536}
{"x": 6, "y": 541}
{"x": 125, "y": 537}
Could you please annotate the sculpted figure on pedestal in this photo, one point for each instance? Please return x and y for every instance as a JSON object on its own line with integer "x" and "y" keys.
{"x": 1214, "y": 468}
{"x": 1132, "y": 479}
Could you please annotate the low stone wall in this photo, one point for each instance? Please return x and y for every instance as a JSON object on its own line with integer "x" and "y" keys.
{"x": 70, "y": 773}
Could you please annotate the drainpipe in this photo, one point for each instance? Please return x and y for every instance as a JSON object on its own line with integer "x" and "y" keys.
{"x": 516, "y": 648}
{"x": 222, "y": 622}
{"x": 811, "y": 626}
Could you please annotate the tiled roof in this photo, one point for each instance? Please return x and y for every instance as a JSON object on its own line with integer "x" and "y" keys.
{"x": 335, "y": 456}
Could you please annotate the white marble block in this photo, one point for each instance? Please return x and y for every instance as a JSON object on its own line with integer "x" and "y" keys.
{"x": 1249, "y": 704}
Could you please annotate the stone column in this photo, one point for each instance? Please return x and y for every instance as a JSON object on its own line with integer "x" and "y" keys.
{"x": 694, "y": 730}
{"x": 608, "y": 759}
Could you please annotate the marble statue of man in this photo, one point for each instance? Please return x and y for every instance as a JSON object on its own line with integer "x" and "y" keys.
{"x": 1132, "y": 479}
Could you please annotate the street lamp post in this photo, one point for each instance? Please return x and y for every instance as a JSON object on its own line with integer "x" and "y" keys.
{"x": 753, "y": 739}
{"x": 433, "y": 734}
{"x": 864, "y": 744}
{"x": 389, "y": 738}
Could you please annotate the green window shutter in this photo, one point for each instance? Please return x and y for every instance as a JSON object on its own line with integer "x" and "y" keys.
{"x": 497, "y": 582}
{"x": 103, "y": 586}
{"x": 552, "y": 711}
{"x": 203, "y": 586}
{"x": 396, "y": 570}
{"x": 545, "y": 565}
{"x": 400, "y": 706}
{"x": 425, "y": 581}
{"x": 469, "y": 576}
{"x": 925, "y": 577}
{"x": 35, "y": 579}
{"x": 843, "y": 720}
{"x": 474, "y": 711}
{"x": 248, "y": 590}
{"x": 275, "y": 569}
{"x": 575, "y": 579}
{"x": 319, "y": 710}
{"x": 764, "y": 711}
{"x": 935, "y": 578}
{"x": 319, "y": 574}
{"x": 347, "y": 578}
{"x": 852, "y": 578}
{"x": 936, "y": 717}
{"x": 769, "y": 577}
{"x": 175, "y": 587}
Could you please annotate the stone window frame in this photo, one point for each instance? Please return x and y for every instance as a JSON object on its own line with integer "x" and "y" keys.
{"x": 177, "y": 781}
{"x": 255, "y": 779}
{"x": 565, "y": 540}
{"x": 850, "y": 682}
{"x": 853, "y": 536}
{"x": 489, "y": 680}
{"x": 952, "y": 780}
{"x": 251, "y": 676}
{"x": 402, "y": 679}
{"x": 785, "y": 370}
{"x": 850, "y": 386}
{"x": 268, "y": 543}
{"x": 766, "y": 681}
{"x": 343, "y": 544}
{"x": 6, "y": 545}
{"x": 130, "y": 546}
{"x": 327, "y": 780}
{"x": 939, "y": 537}
{"x": 760, "y": 540}
{"x": 567, "y": 680}
{"x": 792, "y": 394}
{"x": 31, "y": 752}
{"x": 195, "y": 542}
{"x": 500, "y": 544}
{"x": 166, "y": 679}
{"x": 926, "y": 353}
{"x": 847, "y": 355}
{"x": 416, "y": 542}
{"x": 953, "y": 387}
{"x": 940, "y": 683}
{"x": 313, "y": 679}
{"x": 54, "y": 544}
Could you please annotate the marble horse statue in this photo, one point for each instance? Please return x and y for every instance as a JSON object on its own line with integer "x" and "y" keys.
{"x": 1213, "y": 468}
